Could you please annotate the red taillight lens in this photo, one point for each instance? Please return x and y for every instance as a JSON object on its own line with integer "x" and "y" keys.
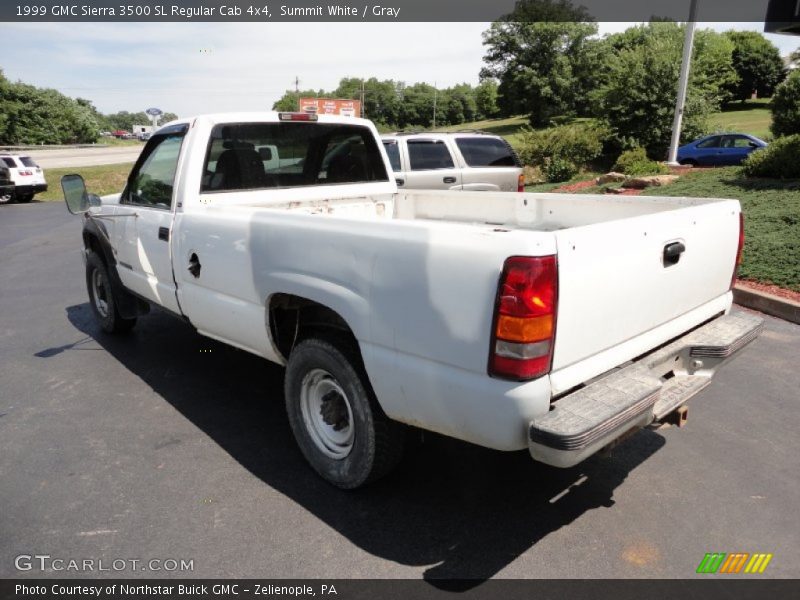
{"x": 525, "y": 318}
{"x": 521, "y": 183}
{"x": 738, "y": 250}
{"x": 26, "y": 173}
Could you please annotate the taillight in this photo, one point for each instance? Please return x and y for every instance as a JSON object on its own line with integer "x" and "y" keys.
{"x": 26, "y": 173}
{"x": 521, "y": 183}
{"x": 525, "y": 318}
{"x": 738, "y": 250}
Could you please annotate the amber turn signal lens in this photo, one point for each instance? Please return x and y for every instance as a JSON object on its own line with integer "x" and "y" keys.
{"x": 525, "y": 330}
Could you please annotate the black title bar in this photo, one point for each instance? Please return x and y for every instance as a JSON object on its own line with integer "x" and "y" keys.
{"x": 366, "y": 589}
{"x": 277, "y": 11}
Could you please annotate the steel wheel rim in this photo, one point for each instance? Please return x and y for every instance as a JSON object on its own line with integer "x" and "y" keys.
{"x": 327, "y": 414}
{"x": 99, "y": 293}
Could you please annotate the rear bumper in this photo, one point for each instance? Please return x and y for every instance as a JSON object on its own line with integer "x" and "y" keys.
{"x": 585, "y": 421}
{"x": 33, "y": 188}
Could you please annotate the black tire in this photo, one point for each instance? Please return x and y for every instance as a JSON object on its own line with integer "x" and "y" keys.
{"x": 102, "y": 297}
{"x": 377, "y": 441}
{"x": 689, "y": 162}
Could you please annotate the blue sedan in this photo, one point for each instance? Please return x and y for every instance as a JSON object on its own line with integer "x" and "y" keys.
{"x": 719, "y": 150}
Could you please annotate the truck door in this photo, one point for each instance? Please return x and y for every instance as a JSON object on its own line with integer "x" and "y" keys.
{"x": 431, "y": 166}
{"x": 144, "y": 256}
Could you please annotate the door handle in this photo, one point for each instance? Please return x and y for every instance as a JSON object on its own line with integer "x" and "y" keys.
{"x": 399, "y": 181}
{"x": 449, "y": 180}
{"x": 163, "y": 233}
{"x": 672, "y": 253}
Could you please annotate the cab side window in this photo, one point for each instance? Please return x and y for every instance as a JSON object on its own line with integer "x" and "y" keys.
{"x": 710, "y": 143}
{"x": 152, "y": 182}
{"x": 424, "y": 155}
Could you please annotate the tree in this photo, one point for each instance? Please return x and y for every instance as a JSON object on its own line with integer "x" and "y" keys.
{"x": 638, "y": 97}
{"x": 486, "y": 99}
{"x": 533, "y": 52}
{"x": 786, "y": 107}
{"x": 290, "y": 101}
{"x": 30, "y": 115}
{"x": 758, "y": 64}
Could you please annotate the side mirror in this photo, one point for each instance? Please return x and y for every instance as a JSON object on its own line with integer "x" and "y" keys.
{"x": 75, "y": 195}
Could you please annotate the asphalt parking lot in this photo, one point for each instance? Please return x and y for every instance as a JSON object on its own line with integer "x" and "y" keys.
{"x": 165, "y": 445}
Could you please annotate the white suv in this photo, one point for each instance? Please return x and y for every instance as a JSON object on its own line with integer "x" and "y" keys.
{"x": 468, "y": 161}
{"x": 28, "y": 177}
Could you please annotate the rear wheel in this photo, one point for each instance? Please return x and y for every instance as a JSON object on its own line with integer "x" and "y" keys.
{"x": 337, "y": 422}
{"x": 101, "y": 297}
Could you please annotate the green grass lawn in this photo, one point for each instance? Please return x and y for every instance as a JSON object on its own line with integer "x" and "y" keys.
{"x": 753, "y": 117}
{"x": 100, "y": 180}
{"x": 772, "y": 220}
{"x": 508, "y": 128}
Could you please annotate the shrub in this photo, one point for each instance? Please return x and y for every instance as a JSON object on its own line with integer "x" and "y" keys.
{"x": 635, "y": 163}
{"x": 778, "y": 160}
{"x": 786, "y": 107}
{"x": 559, "y": 169}
{"x": 577, "y": 144}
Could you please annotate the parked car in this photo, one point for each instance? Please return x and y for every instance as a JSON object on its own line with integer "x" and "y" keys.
{"x": 28, "y": 177}
{"x": 6, "y": 186}
{"x": 462, "y": 161}
{"x": 513, "y": 321}
{"x": 719, "y": 150}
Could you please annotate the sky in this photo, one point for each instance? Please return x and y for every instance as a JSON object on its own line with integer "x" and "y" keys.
{"x": 193, "y": 68}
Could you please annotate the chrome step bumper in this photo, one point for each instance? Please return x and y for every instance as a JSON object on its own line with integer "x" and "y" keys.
{"x": 581, "y": 423}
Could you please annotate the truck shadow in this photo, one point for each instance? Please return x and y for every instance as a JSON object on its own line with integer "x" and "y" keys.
{"x": 463, "y": 511}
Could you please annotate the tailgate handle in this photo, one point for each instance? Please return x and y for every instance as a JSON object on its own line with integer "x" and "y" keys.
{"x": 672, "y": 253}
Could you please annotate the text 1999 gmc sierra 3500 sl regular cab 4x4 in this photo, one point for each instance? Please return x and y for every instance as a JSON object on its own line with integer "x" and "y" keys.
{"x": 557, "y": 323}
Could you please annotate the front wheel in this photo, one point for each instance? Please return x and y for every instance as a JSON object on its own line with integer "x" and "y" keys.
{"x": 337, "y": 422}
{"x": 101, "y": 297}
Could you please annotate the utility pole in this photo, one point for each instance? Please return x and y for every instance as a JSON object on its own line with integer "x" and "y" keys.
{"x": 363, "y": 107}
{"x": 683, "y": 84}
{"x": 296, "y": 84}
{"x": 435, "y": 93}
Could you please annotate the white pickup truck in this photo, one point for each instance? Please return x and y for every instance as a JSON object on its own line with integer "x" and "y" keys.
{"x": 557, "y": 323}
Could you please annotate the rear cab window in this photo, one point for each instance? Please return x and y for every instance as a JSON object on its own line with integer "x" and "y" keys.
{"x": 486, "y": 152}
{"x": 427, "y": 155}
{"x": 252, "y": 156}
{"x": 28, "y": 162}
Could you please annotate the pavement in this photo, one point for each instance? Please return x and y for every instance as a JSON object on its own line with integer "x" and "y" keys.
{"x": 85, "y": 156}
{"x": 163, "y": 444}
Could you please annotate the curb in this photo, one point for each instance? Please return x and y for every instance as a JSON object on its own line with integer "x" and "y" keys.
{"x": 782, "y": 308}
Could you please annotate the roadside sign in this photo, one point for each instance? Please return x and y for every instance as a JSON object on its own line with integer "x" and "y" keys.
{"x": 331, "y": 106}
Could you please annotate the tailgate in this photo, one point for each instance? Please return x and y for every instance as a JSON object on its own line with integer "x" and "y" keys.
{"x": 614, "y": 283}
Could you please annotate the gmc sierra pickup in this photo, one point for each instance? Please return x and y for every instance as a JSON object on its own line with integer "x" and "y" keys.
{"x": 556, "y": 323}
